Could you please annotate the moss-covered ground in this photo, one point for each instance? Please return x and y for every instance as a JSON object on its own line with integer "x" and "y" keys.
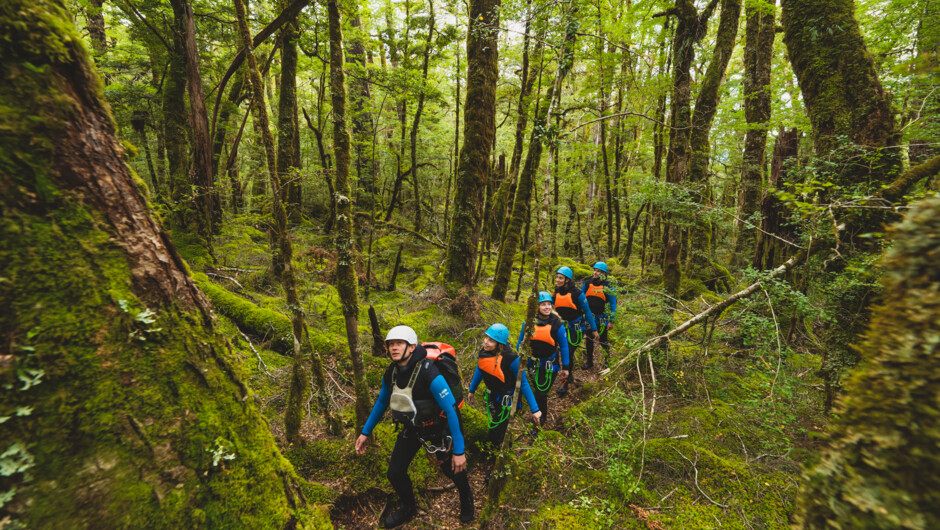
{"x": 714, "y": 437}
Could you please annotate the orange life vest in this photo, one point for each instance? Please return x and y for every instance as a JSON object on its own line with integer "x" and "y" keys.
{"x": 543, "y": 343}
{"x": 595, "y": 291}
{"x": 565, "y": 301}
{"x": 492, "y": 366}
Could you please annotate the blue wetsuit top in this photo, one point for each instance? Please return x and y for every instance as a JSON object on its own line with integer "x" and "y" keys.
{"x": 423, "y": 389}
{"x": 600, "y": 305}
{"x": 571, "y": 314}
{"x": 500, "y": 378}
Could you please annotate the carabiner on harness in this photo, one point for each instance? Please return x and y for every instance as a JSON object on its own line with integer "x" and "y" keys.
{"x": 446, "y": 445}
{"x": 574, "y": 326}
{"x": 505, "y": 404}
{"x": 538, "y": 366}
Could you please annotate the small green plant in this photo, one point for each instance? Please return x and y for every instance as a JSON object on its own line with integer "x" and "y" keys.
{"x": 221, "y": 452}
{"x": 144, "y": 319}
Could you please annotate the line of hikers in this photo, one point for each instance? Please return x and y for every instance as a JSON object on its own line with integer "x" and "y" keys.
{"x": 422, "y": 385}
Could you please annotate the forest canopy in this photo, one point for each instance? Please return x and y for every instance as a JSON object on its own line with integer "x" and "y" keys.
{"x": 213, "y": 211}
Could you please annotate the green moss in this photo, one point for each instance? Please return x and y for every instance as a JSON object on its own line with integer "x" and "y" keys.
{"x": 125, "y": 428}
{"x": 268, "y": 325}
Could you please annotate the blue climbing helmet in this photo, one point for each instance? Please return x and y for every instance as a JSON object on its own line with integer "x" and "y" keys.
{"x": 545, "y": 296}
{"x": 601, "y": 266}
{"x": 566, "y": 272}
{"x": 498, "y": 332}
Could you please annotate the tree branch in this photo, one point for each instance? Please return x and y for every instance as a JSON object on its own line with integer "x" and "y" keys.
{"x": 912, "y": 176}
{"x": 655, "y": 342}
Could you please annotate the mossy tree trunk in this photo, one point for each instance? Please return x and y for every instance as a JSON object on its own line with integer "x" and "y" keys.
{"x": 416, "y": 122}
{"x": 176, "y": 128}
{"x": 843, "y": 95}
{"x": 133, "y": 414}
{"x": 770, "y": 250}
{"x": 691, "y": 26}
{"x": 540, "y": 134}
{"x": 235, "y": 95}
{"x": 288, "y": 134}
{"x": 855, "y": 131}
{"x": 879, "y": 469}
{"x": 360, "y": 93}
{"x": 704, "y": 266}
{"x": 473, "y": 165}
{"x": 298, "y": 384}
{"x": 200, "y": 174}
{"x": 347, "y": 283}
{"x": 94, "y": 18}
{"x": 758, "y": 59}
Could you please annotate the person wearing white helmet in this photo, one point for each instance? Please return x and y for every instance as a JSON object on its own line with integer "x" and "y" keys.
{"x": 423, "y": 404}
{"x": 603, "y": 303}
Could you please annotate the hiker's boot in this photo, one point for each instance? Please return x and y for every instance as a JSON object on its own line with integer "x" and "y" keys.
{"x": 587, "y": 366}
{"x": 466, "y": 507}
{"x": 400, "y": 516}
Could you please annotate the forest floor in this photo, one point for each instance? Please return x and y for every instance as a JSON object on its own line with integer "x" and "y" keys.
{"x": 715, "y": 436}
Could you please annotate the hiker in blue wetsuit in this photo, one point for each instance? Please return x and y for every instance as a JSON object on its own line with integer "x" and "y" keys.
{"x": 497, "y": 367}
{"x": 549, "y": 339}
{"x": 603, "y": 303}
{"x": 423, "y": 404}
{"x": 573, "y": 308}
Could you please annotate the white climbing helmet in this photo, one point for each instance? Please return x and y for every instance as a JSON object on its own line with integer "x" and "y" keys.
{"x": 404, "y": 333}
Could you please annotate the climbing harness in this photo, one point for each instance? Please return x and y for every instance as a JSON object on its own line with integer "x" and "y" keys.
{"x": 446, "y": 445}
{"x": 505, "y": 404}
{"x": 537, "y": 366}
{"x": 574, "y": 327}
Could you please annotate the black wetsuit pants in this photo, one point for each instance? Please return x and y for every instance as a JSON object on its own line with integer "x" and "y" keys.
{"x": 572, "y": 349}
{"x": 496, "y": 433}
{"x": 407, "y": 446}
{"x": 542, "y": 377}
{"x": 591, "y": 346}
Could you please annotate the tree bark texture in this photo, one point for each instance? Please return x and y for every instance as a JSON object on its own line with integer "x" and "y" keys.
{"x": 540, "y": 134}
{"x": 288, "y": 132}
{"x": 842, "y": 92}
{"x": 347, "y": 284}
{"x": 131, "y": 389}
{"x": 201, "y": 177}
{"x": 758, "y": 59}
{"x": 416, "y": 122}
{"x": 360, "y": 94}
{"x": 175, "y": 126}
{"x": 479, "y": 131}
{"x": 704, "y": 266}
{"x": 873, "y": 470}
{"x": 690, "y": 28}
{"x": 770, "y": 250}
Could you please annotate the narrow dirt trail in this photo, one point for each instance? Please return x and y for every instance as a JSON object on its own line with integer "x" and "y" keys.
{"x": 438, "y": 506}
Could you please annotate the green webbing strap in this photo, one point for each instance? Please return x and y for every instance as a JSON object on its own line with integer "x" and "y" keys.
{"x": 542, "y": 386}
{"x": 503, "y": 414}
{"x": 578, "y": 333}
